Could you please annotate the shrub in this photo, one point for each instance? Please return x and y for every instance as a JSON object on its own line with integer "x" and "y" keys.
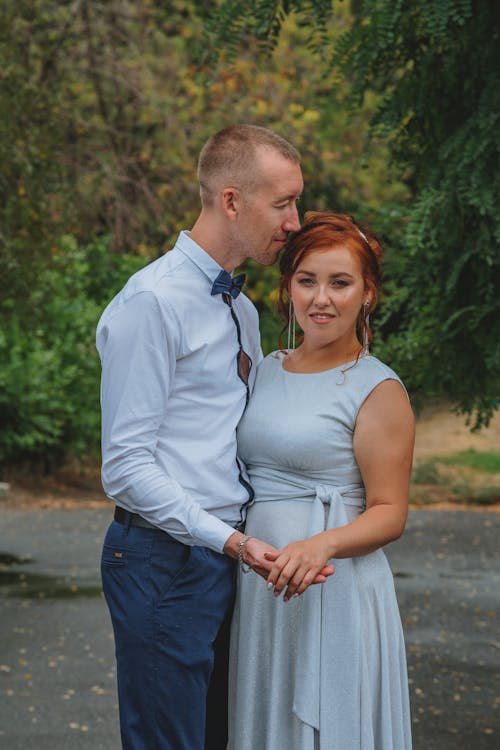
{"x": 49, "y": 373}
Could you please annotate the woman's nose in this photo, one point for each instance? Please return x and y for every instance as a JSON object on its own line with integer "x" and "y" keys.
{"x": 322, "y": 297}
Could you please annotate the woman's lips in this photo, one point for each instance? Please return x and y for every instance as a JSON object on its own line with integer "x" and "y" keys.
{"x": 321, "y": 317}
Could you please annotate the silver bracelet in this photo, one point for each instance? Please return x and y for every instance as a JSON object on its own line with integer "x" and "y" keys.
{"x": 243, "y": 565}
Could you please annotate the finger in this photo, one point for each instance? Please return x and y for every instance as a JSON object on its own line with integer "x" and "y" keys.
{"x": 262, "y": 572}
{"x": 285, "y": 576}
{"x": 328, "y": 570}
{"x": 292, "y": 587}
{"x": 303, "y": 578}
{"x": 263, "y": 565}
{"x": 307, "y": 581}
{"x": 271, "y": 556}
{"x": 280, "y": 574}
{"x": 276, "y": 569}
{"x": 324, "y": 574}
{"x": 320, "y": 577}
{"x": 258, "y": 560}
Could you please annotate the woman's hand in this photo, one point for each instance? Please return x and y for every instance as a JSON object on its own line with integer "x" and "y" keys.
{"x": 260, "y": 557}
{"x": 298, "y": 565}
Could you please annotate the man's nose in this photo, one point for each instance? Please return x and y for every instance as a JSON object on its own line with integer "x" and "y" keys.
{"x": 292, "y": 223}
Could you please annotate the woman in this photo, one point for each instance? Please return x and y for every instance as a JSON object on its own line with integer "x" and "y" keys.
{"x": 328, "y": 439}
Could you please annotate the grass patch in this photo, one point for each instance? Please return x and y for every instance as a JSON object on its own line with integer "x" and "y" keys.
{"x": 468, "y": 477}
{"x": 479, "y": 460}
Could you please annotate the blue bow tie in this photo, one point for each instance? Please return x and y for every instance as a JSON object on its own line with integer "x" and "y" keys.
{"x": 225, "y": 283}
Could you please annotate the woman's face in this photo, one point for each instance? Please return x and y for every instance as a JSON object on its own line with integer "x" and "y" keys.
{"x": 328, "y": 291}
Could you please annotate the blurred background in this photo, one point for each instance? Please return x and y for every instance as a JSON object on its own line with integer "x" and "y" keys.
{"x": 104, "y": 106}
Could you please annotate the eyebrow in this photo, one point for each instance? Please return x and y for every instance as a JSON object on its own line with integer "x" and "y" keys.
{"x": 331, "y": 276}
{"x": 292, "y": 196}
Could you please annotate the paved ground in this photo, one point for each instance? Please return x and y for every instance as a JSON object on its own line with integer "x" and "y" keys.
{"x": 57, "y": 679}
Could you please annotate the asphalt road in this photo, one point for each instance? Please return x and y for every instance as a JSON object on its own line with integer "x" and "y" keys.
{"x": 57, "y": 675}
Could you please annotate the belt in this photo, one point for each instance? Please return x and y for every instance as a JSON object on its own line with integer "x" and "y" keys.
{"x": 134, "y": 519}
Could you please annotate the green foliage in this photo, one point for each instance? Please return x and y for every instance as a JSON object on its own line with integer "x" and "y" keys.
{"x": 103, "y": 109}
{"x": 426, "y": 473}
{"x": 49, "y": 380}
{"x": 467, "y": 494}
{"x": 487, "y": 496}
{"x": 433, "y": 70}
{"x": 437, "y": 64}
{"x": 480, "y": 460}
{"x": 260, "y": 20}
{"x": 468, "y": 477}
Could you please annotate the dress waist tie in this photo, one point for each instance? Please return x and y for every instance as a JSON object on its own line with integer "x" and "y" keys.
{"x": 330, "y": 677}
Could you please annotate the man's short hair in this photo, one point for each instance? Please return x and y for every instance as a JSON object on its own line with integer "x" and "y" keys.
{"x": 228, "y": 158}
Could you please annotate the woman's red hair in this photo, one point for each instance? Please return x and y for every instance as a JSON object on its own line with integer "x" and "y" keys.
{"x": 326, "y": 230}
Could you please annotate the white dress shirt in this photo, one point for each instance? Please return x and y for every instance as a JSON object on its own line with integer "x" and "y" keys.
{"x": 171, "y": 397}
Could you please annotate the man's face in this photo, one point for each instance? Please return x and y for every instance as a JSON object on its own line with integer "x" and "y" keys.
{"x": 269, "y": 213}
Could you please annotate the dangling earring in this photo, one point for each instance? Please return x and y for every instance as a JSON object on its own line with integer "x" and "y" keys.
{"x": 291, "y": 326}
{"x": 366, "y": 324}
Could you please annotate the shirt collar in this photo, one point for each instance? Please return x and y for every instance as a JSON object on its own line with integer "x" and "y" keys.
{"x": 207, "y": 265}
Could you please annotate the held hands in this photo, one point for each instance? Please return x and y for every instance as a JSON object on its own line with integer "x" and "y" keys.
{"x": 278, "y": 567}
{"x": 298, "y": 565}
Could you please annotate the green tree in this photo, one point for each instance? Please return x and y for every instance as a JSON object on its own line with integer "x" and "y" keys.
{"x": 433, "y": 68}
{"x": 103, "y": 109}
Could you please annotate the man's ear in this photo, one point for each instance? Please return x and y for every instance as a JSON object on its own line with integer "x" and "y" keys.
{"x": 230, "y": 200}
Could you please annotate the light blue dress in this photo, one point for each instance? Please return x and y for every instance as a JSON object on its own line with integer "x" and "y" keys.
{"x": 327, "y": 670}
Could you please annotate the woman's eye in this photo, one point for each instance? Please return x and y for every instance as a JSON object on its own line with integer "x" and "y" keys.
{"x": 305, "y": 282}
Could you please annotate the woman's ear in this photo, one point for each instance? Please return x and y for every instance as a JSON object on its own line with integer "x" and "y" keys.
{"x": 368, "y": 297}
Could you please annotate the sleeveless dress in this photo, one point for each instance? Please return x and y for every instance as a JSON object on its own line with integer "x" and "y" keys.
{"x": 326, "y": 670}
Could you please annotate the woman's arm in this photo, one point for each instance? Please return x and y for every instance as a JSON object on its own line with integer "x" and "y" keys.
{"x": 383, "y": 446}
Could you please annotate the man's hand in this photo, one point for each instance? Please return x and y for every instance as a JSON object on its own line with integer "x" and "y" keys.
{"x": 253, "y": 553}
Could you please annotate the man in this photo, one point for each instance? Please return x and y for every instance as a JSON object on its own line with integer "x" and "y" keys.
{"x": 179, "y": 347}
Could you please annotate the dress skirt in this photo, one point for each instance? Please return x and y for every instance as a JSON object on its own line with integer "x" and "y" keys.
{"x": 266, "y": 678}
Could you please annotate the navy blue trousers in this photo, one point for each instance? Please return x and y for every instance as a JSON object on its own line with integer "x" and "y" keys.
{"x": 167, "y": 603}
